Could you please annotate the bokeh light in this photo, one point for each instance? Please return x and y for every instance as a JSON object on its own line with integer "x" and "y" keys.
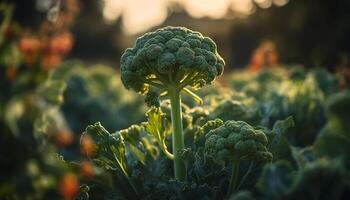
{"x": 280, "y": 2}
{"x": 206, "y": 8}
{"x": 242, "y": 6}
{"x": 264, "y": 3}
{"x": 140, "y": 15}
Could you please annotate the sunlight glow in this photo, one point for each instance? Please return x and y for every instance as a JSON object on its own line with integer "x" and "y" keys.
{"x": 215, "y": 9}
{"x": 112, "y": 9}
{"x": 264, "y": 3}
{"x": 242, "y": 6}
{"x": 140, "y": 15}
{"x": 280, "y": 2}
{"x": 137, "y": 15}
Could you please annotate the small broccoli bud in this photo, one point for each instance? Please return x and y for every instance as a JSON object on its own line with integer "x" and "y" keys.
{"x": 199, "y": 136}
{"x": 212, "y": 124}
{"x": 152, "y": 99}
{"x": 237, "y": 140}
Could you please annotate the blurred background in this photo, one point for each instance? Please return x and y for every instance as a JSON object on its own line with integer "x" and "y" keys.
{"x": 58, "y": 74}
{"x": 313, "y": 33}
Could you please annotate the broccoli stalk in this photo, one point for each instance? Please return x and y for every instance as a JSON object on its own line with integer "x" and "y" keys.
{"x": 177, "y": 136}
{"x": 235, "y": 141}
{"x": 172, "y": 60}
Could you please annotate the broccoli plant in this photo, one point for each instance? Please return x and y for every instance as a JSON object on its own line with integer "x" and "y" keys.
{"x": 336, "y": 131}
{"x": 172, "y": 60}
{"x": 235, "y": 141}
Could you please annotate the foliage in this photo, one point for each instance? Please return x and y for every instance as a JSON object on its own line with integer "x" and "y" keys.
{"x": 295, "y": 92}
{"x": 335, "y": 133}
{"x": 32, "y": 131}
{"x": 215, "y": 147}
{"x": 96, "y": 94}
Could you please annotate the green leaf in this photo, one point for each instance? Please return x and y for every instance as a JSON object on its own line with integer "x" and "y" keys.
{"x": 156, "y": 124}
{"x": 109, "y": 148}
{"x": 158, "y": 127}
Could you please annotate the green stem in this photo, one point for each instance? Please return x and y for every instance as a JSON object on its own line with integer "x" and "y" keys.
{"x": 245, "y": 175}
{"x": 187, "y": 81}
{"x": 167, "y": 153}
{"x": 193, "y": 96}
{"x": 164, "y": 147}
{"x": 178, "y": 138}
{"x": 234, "y": 177}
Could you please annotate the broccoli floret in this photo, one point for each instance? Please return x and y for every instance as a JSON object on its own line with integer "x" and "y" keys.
{"x": 210, "y": 125}
{"x": 171, "y": 60}
{"x": 235, "y": 141}
{"x": 171, "y": 56}
{"x": 152, "y": 99}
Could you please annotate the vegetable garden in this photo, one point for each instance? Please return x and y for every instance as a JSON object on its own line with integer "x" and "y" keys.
{"x": 171, "y": 123}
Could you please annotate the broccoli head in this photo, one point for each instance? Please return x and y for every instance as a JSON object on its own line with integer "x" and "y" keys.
{"x": 171, "y": 56}
{"x": 237, "y": 140}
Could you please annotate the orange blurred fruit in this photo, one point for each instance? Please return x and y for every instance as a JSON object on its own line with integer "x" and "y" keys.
{"x": 63, "y": 138}
{"x": 64, "y": 43}
{"x": 29, "y": 44}
{"x": 68, "y": 186}
{"x": 86, "y": 145}
{"x": 86, "y": 169}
